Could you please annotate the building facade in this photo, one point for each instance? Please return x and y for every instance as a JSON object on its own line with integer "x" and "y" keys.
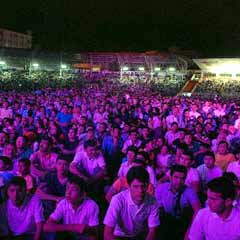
{"x": 11, "y": 39}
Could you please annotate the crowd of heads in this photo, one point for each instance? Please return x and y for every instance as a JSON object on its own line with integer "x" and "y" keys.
{"x": 76, "y": 155}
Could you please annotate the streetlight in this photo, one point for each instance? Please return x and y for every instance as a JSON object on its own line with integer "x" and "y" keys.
{"x": 63, "y": 66}
{"x": 172, "y": 69}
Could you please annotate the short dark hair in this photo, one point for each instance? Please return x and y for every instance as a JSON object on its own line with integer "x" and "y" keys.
{"x": 6, "y": 160}
{"x": 223, "y": 186}
{"x": 90, "y": 143}
{"x": 178, "y": 168}
{"x": 132, "y": 149}
{"x": 17, "y": 181}
{"x": 138, "y": 173}
{"x": 26, "y": 161}
{"x": 210, "y": 154}
{"x": 78, "y": 181}
{"x": 230, "y": 176}
{"x": 66, "y": 158}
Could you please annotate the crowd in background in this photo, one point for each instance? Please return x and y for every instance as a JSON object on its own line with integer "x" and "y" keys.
{"x": 143, "y": 165}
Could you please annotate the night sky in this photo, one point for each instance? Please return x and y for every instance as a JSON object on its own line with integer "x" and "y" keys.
{"x": 212, "y": 27}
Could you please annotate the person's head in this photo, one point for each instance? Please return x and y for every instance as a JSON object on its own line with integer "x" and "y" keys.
{"x": 222, "y": 147}
{"x": 5, "y": 163}
{"x": 24, "y": 166}
{"x": 133, "y": 135}
{"x": 198, "y": 128}
{"x": 178, "y": 174}
{"x": 16, "y": 190}
{"x": 72, "y": 134}
{"x": 221, "y": 194}
{"x": 188, "y": 138}
{"x": 9, "y": 150}
{"x": 45, "y": 144}
{"x": 90, "y": 148}
{"x": 145, "y": 132}
{"x": 21, "y": 142}
{"x": 90, "y": 132}
{"x": 102, "y": 127}
{"x": 3, "y": 138}
{"x": 209, "y": 159}
{"x": 138, "y": 180}
{"x": 75, "y": 190}
{"x": 174, "y": 126}
{"x": 116, "y": 131}
{"x": 231, "y": 177}
{"x": 186, "y": 159}
{"x": 62, "y": 165}
{"x": 164, "y": 150}
{"x": 131, "y": 154}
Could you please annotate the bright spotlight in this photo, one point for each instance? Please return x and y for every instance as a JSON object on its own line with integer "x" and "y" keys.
{"x": 63, "y": 66}
{"x": 2, "y": 63}
{"x": 172, "y": 69}
{"x": 36, "y": 65}
{"x": 125, "y": 68}
{"x": 157, "y": 69}
{"x": 141, "y": 68}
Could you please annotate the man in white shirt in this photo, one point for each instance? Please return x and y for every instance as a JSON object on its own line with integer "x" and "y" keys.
{"x": 22, "y": 214}
{"x": 220, "y": 220}
{"x": 77, "y": 213}
{"x": 132, "y": 141}
{"x": 208, "y": 170}
{"x": 132, "y": 213}
{"x": 89, "y": 165}
{"x": 235, "y": 166}
{"x": 173, "y": 117}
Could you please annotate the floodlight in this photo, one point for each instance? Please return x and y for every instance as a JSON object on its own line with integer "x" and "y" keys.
{"x": 125, "y": 68}
{"x": 231, "y": 68}
{"x": 63, "y": 66}
{"x": 36, "y": 65}
{"x": 2, "y": 63}
{"x": 157, "y": 69}
{"x": 172, "y": 69}
{"x": 141, "y": 68}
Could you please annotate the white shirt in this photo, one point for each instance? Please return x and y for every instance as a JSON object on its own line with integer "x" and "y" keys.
{"x": 207, "y": 174}
{"x": 127, "y": 218}
{"x": 170, "y": 136}
{"x": 23, "y": 219}
{"x": 6, "y": 113}
{"x": 90, "y": 166}
{"x": 192, "y": 176}
{"x": 237, "y": 124}
{"x": 209, "y": 226}
{"x": 129, "y": 143}
{"x": 87, "y": 213}
{"x": 125, "y": 166}
{"x": 170, "y": 119}
{"x": 123, "y": 170}
{"x": 235, "y": 168}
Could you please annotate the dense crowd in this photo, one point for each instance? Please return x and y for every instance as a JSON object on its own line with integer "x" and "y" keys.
{"x": 111, "y": 161}
{"x": 223, "y": 87}
{"x": 26, "y": 80}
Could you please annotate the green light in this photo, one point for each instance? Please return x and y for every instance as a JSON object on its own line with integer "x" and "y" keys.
{"x": 125, "y": 68}
{"x": 172, "y": 69}
{"x": 36, "y": 65}
{"x": 63, "y": 66}
{"x": 2, "y": 63}
{"x": 157, "y": 69}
